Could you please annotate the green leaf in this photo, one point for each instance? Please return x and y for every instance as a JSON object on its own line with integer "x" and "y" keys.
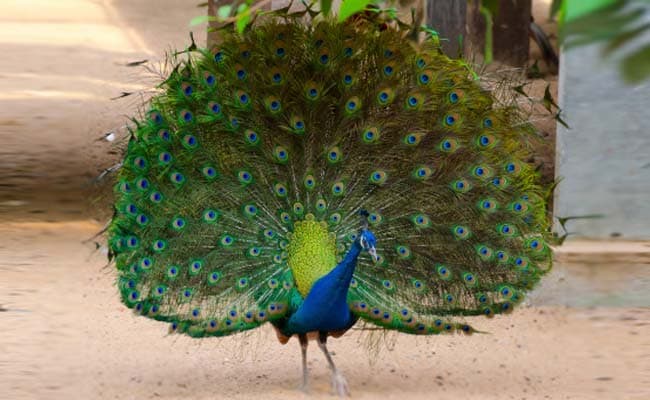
{"x": 223, "y": 12}
{"x": 326, "y": 6}
{"x": 201, "y": 19}
{"x": 520, "y": 89}
{"x": 243, "y": 17}
{"x": 636, "y": 67}
{"x": 556, "y": 5}
{"x": 390, "y": 12}
{"x": 548, "y": 100}
{"x": 492, "y": 6}
{"x": 351, "y": 7}
{"x": 534, "y": 72}
{"x": 624, "y": 38}
{"x": 600, "y": 25}
{"x": 487, "y": 14}
{"x": 558, "y": 118}
{"x": 573, "y": 9}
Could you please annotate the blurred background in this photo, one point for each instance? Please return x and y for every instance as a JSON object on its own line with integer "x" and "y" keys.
{"x": 73, "y": 71}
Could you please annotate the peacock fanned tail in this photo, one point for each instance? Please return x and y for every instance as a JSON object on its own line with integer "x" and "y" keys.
{"x": 261, "y": 160}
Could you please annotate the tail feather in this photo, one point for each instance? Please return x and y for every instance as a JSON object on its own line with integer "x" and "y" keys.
{"x": 287, "y": 123}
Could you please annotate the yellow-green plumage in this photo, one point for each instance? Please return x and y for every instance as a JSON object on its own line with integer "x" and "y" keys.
{"x": 311, "y": 253}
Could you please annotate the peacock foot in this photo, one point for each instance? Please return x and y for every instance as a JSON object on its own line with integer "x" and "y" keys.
{"x": 340, "y": 385}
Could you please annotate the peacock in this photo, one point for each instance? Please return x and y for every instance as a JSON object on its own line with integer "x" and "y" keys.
{"x": 316, "y": 176}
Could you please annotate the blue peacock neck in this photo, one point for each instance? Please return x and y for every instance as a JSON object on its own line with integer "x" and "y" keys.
{"x": 325, "y": 307}
{"x": 345, "y": 269}
{"x": 335, "y": 284}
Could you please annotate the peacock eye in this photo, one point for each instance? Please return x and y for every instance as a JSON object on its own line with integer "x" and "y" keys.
{"x": 250, "y": 210}
{"x": 178, "y": 223}
{"x": 164, "y": 157}
{"x": 155, "y": 117}
{"x": 186, "y": 116}
{"x": 487, "y": 123}
{"x": 143, "y": 184}
{"x": 140, "y": 162}
{"x": 155, "y": 197}
{"x": 450, "y": 120}
{"x": 164, "y": 135}
{"x": 187, "y": 89}
{"x": 177, "y": 177}
{"x": 338, "y": 189}
{"x": 190, "y": 141}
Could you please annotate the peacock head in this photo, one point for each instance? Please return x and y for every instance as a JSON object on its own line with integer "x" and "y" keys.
{"x": 368, "y": 242}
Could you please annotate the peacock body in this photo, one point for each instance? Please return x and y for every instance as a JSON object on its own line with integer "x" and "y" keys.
{"x": 311, "y": 176}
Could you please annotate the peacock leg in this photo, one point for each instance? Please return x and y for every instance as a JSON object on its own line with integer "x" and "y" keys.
{"x": 339, "y": 384}
{"x": 303, "y": 348}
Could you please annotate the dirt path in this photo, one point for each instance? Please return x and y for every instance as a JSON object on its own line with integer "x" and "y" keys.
{"x": 62, "y": 61}
{"x": 65, "y": 335}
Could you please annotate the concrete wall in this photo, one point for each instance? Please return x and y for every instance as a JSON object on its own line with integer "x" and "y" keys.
{"x": 604, "y": 159}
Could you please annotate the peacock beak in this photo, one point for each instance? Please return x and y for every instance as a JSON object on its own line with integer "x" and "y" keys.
{"x": 373, "y": 253}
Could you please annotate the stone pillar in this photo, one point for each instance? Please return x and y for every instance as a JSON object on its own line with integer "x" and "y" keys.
{"x": 603, "y": 160}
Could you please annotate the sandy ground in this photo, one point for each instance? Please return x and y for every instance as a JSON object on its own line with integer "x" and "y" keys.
{"x": 64, "y": 334}
{"x": 62, "y": 61}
